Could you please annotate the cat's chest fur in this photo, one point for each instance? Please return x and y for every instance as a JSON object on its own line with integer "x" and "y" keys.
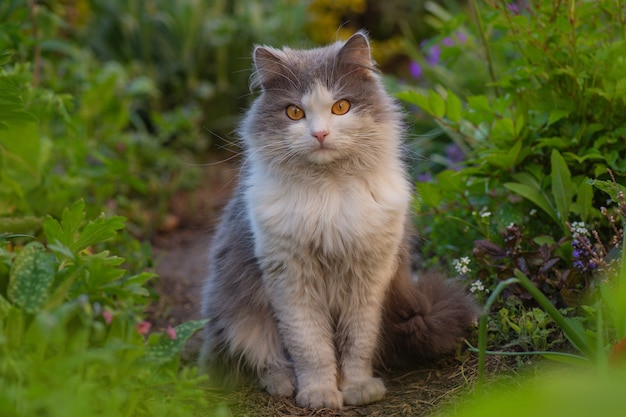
{"x": 336, "y": 215}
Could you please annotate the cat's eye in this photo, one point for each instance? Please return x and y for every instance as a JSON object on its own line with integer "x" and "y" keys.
{"x": 341, "y": 107}
{"x": 294, "y": 112}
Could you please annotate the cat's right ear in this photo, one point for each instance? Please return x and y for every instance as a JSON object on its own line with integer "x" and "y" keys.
{"x": 268, "y": 67}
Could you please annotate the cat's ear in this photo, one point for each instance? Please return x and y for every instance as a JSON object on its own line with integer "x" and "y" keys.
{"x": 268, "y": 66}
{"x": 356, "y": 51}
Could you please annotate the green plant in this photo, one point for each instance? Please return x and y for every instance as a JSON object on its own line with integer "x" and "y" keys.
{"x": 77, "y": 133}
{"x": 196, "y": 52}
{"x": 71, "y": 334}
{"x": 599, "y": 341}
{"x": 553, "y": 116}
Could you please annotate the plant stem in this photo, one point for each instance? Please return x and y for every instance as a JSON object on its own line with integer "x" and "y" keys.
{"x": 483, "y": 39}
{"x": 482, "y": 329}
{"x": 37, "y": 51}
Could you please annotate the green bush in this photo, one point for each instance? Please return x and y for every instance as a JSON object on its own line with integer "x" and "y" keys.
{"x": 534, "y": 99}
{"x": 71, "y": 335}
{"x": 69, "y": 132}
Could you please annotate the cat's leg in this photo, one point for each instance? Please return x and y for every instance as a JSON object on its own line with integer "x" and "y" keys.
{"x": 357, "y": 337}
{"x": 251, "y": 335}
{"x": 242, "y": 334}
{"x": 306, "y": 329}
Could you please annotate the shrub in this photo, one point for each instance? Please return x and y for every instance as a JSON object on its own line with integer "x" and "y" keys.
{"x": 72, "y": 340}
{"x": 552, "y": 119}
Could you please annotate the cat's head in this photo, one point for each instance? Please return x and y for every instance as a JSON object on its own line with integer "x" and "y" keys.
{"x": 320, "y": 107}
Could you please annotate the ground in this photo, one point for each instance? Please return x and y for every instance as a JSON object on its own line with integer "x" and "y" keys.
{"x": 181, "y": 262}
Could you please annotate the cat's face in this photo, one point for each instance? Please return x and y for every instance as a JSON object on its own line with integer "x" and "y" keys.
{"x": 319, "y": 106}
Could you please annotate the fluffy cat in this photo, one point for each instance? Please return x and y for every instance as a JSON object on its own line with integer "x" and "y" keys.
{"x": 309, "y": 284}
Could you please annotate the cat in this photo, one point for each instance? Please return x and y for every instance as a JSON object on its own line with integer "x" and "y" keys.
{"x": 309, "y": 284}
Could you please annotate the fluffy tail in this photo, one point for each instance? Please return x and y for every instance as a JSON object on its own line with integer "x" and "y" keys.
{"x": 424, "y": 319}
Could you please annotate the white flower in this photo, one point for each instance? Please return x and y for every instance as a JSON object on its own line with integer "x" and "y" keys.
{"x": 578, "y": 229}
{"x": 484, "y": 214}
{"x": 462, "y": 265}
{"x": 478, "y": 286}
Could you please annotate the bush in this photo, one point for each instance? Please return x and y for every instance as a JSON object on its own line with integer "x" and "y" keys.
{"x": 553, "y": 119}
{"x": 72, "y": 340}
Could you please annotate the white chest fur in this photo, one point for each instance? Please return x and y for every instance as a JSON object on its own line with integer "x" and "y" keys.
{"x": 335, "y": 214}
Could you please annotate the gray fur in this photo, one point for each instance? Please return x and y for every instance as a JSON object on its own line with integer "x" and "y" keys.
{"x": 309, "y": 282}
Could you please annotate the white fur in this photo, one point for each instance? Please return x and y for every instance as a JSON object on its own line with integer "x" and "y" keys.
{"x": 328, "y": 244}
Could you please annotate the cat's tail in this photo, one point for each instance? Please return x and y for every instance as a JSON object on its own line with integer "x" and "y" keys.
{"x": 424, "y": 319}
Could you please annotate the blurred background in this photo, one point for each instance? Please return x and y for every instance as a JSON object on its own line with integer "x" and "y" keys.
{"x": 137, "y": 93}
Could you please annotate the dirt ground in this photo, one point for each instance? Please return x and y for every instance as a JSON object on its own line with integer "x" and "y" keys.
{"x": 181, "y": 256}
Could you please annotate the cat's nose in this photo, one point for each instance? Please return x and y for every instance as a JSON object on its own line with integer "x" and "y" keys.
{"x": 320, "y": 135}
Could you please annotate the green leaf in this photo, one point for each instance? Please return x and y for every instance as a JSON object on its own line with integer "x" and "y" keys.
{"x": 429, "y": 194}
{"x": 65, "y": 231}
{"x": 584, "y": 200}
{"x": 572, "y": 329}
{"x": 5, "y": 57}
{"x": 97, "y": 231}
{"x": 532, "y": 191}
{"x": 30, "y": 277}
{"x": 609, "y": 187}
{"x": 556, "y": 115}
{"x": 454, "y": 108}
{"x": 505, "y": 159}
{"x": 5, "y": 305}
{"x": 24, "y": 224}
{"x": 68, "y": 234}
{"x": 167, "y": 349}
{"x": 562, "y": 186}
{"x": 437, "y": 105}
{"x": 418, "y": 99}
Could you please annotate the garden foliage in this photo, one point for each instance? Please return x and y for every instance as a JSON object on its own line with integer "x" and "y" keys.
{"x": 71, "y": 337}
{"x": 533, "y": 98}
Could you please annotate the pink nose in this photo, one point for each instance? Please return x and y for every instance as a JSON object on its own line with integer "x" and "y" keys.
{"x": 320, "y": 135}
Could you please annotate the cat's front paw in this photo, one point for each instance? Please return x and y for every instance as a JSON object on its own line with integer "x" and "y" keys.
{"x": 320, "y": 398}
{"x": 364, "y": 392}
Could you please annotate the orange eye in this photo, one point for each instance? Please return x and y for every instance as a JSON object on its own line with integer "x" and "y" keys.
{"x": 341, "y": 107}
{"x": 294, "y": 112}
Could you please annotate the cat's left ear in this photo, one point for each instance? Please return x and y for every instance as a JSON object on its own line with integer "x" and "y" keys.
{"x": 269, "y": 66}
{"x": 356, "y": 51}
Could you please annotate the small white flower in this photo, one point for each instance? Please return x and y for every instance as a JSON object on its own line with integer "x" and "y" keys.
{"x": 532, "y": 212}
{"x": 477, "y": 286}
{"x": 579, "y": 229}
{"x": 462, "y": 265}
{"x": 484, "y": 214}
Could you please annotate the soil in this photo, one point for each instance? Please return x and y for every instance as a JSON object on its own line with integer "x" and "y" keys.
{"x": 181, "y": 256}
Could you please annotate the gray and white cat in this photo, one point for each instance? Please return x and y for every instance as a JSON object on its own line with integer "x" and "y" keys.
{"x": 310, "y": 284}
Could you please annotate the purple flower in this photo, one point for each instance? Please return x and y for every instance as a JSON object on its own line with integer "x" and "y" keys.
{"x": 415, "y": 69}
{"x": 425, "y": 177}
{"x": 433, "y": 55}
{"x": 455, "y": 154}
{"x": 447, "y": 41}
{"x": 513, "y": 8}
